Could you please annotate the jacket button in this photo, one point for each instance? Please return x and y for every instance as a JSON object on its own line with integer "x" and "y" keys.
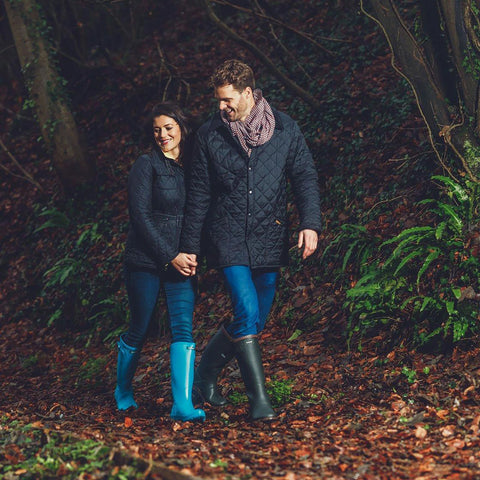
{"x": 250, "y": 192}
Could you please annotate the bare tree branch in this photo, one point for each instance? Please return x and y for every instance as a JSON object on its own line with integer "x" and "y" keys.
{"x": 286, "y": 51}
{"x": 17, "y": 115}
{"x": 169, "y": 67}
{"x": 26, "y": 176}
{"x": 286, "y": 26}
{"x": 307, "y": 97}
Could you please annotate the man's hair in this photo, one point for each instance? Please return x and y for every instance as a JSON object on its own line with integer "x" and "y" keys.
{"x": 235, "y": 73}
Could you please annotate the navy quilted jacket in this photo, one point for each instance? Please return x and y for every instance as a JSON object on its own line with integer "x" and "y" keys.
{"x": 156, "y": 201}
{"x": 240, "y": 202}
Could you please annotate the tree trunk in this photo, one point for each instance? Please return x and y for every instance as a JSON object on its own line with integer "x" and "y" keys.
{"x": 56, "y": 121}
{"x": 431, "y": 84}
{"x": 456, "y": 14}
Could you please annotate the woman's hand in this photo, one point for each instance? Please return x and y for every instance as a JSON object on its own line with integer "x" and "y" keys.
{"x": 186, "y": 264}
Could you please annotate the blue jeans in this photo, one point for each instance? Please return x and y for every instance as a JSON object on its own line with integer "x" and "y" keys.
{"x": 143, "y": 289}
{"x": 251, "y": 292}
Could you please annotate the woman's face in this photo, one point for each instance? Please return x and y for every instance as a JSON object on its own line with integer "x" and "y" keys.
{"x": 167, "y": 135}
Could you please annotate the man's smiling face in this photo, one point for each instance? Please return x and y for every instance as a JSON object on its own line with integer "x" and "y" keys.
{"x": 236, "y": 105}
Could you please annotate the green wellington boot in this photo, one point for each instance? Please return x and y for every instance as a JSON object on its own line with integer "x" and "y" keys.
{"x": 249, "y": 358}
{"x": 216, "y": 355}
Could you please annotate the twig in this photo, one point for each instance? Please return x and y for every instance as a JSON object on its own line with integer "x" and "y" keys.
{"x": 27, "y": 176}
{"x": 409, "y": 158}
{"x": 18, "y": 115}
{"x": 384, "y": 201}
{"x": 288, "y": 82}
{"x": 6, "y": 48}
{"x": 174, "y": 74}
{"x": 287, "y": 27}
{"x": 280, "y": 43}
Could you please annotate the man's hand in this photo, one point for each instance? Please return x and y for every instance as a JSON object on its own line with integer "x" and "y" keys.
{"x": 186, "y": 264}
{"x": 309, "y": 240}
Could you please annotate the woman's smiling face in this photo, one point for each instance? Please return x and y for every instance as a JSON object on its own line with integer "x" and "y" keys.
{"x": 167, "y": 135}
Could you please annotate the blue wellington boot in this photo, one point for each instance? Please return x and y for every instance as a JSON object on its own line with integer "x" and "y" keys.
{"x": 126, "y": 366}
{"x": 182, "y": 359}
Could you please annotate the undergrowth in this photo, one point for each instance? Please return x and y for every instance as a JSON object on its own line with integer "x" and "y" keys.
{"x": 34, "y": 452}
{"x": 423, "y": 282}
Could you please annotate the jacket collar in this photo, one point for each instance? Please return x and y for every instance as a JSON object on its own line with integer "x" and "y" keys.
{"x": 216, "y": 121}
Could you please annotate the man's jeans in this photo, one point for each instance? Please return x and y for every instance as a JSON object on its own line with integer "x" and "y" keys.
{"x": 252, "y": 293}
{"x": 143, "y": 289}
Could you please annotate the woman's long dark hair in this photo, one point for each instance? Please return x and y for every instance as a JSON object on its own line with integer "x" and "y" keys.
{"x": 172, "y": 110}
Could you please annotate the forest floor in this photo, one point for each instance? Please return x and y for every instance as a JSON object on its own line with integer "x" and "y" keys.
{"x": 382, "y": 411}
{"x": 349, "y": 415}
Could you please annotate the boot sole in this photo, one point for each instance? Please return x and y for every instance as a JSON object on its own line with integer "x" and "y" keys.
{"x": 262, "y": 419}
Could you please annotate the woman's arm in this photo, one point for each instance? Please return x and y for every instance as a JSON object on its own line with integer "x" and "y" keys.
{"x": 140, "y": 185}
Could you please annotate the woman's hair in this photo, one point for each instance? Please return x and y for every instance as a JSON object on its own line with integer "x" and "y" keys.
{"x": 172, "y": 110}
{"x": 235, "y": 73}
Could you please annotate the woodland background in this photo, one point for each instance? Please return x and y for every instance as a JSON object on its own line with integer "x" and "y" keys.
{"x": 371, "y": 353}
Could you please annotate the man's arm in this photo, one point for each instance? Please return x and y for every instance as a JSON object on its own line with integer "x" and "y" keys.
{"x": 198, "y": 199}
{"x": 304, "y": 178}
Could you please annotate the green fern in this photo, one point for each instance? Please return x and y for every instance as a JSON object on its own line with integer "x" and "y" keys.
{"x": 415, "y": 278}
{"x": 56, "y": 219}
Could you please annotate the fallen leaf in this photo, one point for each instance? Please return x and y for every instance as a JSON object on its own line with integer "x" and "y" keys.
{"x": 311, "y": 350}
{"x": 442, "y": 414}
{"x": 128, "y": 422}
{"x": 302, "y": 452}
{"x": 469, "y": 389}
{"x": 448, "y": 431}
{"x": 420, "y": 432}
{"x": 397, "y": 405}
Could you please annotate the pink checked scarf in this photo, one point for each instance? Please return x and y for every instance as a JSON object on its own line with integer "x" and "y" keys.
{"x": 258, "y": 127}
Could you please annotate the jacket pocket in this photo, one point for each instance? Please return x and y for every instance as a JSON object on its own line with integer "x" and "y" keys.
{"x": 165, "y": 182}
{"x": 167, "y": 228}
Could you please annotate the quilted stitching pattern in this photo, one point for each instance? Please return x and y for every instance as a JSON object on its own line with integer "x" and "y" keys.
{"x": 241, "y": 202}
{"x": 156, "y": 200}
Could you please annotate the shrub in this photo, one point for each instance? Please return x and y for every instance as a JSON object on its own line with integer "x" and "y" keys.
{"x": 424, "y": 279}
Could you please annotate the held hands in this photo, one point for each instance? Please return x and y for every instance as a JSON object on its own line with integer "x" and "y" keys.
{"x": 309, "y": 240}
{"x": 186, "y": 264}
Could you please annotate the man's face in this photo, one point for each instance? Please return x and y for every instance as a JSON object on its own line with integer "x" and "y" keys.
{"x": 236, "y": 105}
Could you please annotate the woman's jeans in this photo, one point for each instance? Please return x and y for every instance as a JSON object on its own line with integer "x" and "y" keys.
{"x": 143, "y": 289}
{"x": 252, "y": 293}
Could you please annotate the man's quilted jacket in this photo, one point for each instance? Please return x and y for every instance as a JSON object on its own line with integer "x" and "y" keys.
{"x": 156, "y": 200}
{"x": 240, "y": 202}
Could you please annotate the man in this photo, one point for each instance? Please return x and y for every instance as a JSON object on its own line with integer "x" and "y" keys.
{"x": 237, "y": 196}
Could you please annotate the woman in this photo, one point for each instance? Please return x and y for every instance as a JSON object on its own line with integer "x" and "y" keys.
{"x": 156, "y": 198}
